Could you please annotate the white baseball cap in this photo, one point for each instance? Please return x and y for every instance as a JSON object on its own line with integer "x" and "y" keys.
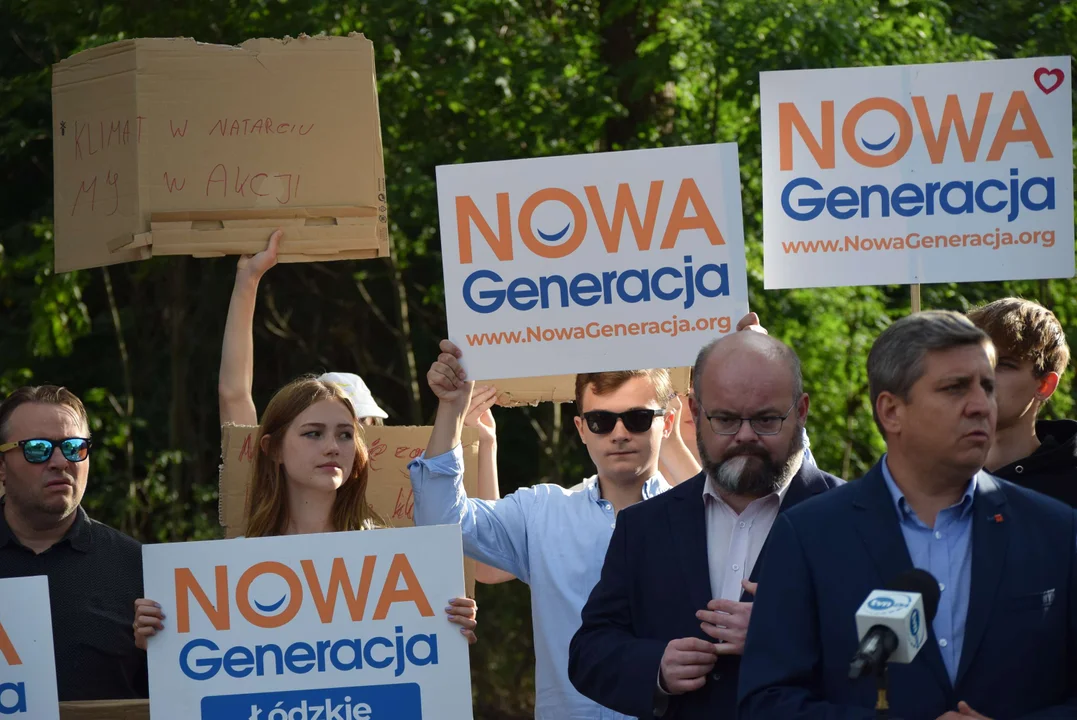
{"x": 357, "y": 391}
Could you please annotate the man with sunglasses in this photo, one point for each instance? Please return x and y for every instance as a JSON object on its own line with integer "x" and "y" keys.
{"x": 550, "y": 537}
{"x": 663, "y": 630}
{"x": 94, "y": 572}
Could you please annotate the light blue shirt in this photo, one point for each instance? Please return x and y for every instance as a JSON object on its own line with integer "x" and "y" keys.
{"x": 553, "y": 539}
{"x": 945, "y": 551}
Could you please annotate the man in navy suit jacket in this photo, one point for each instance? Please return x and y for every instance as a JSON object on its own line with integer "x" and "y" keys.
{"x": 1004, "y": 641}
{"x": 664, "y": 627}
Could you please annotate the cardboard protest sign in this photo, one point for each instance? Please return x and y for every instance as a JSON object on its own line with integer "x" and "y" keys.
{"x": 513, "y": 392}
{"x": 172, "y": 147}
{"x": 330, "y": 625}
{"x": 587, "y": 263}
{"x": 388, "y": 484}
{"x": 27, "y": 661}
{"x": 953, "y": 172}
{"x": 105, "y": 710}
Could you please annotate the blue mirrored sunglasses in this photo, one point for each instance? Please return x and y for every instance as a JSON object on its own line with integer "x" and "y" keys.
{"x": 39, "y": 450}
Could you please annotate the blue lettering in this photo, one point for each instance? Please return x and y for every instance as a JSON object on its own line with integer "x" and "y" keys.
{"x": 956, "y": 197}
{"x": 495, "y": 298}
{"x": 722, "y": 271}
{"x": 431, "y": 650}
{"x": 544, "y": 289}
{"x": 523, "y": 293}
{"x": 238, "y": 662}
{"x": 18, "y": 705}
{"x": 299, "y": 658}
{"x": 944, "y": 197}
{"x": 212, "y": 665}
{"x": 839, "y": 199}
{"x": 260, "y": 652}
{"x": 585, "y": 290}
{"x": 644, "y": 294}
{"x": 369, "y": 657}
{"x": 656, "y": 286}
{"x": 907, "y": 200}
{"x": 984, "y": 187}
{"x": 357, "y": 655}
{"x": 814, "y": 205}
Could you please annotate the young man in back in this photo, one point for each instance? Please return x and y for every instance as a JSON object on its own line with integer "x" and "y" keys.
{"x": 552, "y": 538}
{"x": 1032, "y": 355}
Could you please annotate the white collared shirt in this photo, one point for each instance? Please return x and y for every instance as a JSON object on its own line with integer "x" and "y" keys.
{"x": 735, "y": 541}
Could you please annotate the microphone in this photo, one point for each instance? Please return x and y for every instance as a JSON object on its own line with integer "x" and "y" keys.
{"x": 892, "y": 624}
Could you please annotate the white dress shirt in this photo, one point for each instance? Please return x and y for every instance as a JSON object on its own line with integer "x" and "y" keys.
{"x": 734, "y": 541}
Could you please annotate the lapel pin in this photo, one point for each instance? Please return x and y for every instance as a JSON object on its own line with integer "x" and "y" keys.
{"x": 997, "y": 518}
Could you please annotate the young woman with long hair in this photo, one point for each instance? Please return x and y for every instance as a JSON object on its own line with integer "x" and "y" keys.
{"x": 311, "y": 469}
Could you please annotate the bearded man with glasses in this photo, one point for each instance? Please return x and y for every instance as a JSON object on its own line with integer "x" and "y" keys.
{"x": 94, "y": 572}
{"x": 663, "y": 630}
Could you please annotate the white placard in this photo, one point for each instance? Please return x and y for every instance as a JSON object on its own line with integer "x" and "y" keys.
{"x": 324, "y": 627}
{"x": 954, "y": 172}
{"x": 584, "y": 263}
{"x": 27, "y": 659}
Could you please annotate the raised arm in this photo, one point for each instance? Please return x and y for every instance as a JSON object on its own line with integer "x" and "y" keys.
{"x": 479, "y": 416}
{"x": 675, "y": 458}
{"x": 237, "y": 351}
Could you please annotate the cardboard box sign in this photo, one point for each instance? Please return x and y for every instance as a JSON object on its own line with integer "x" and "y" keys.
{"x": 559, "y": 388}
{"x": 105, "y": 710}
{"x": 388, "y": 484}
{"x": 173, "y": 147}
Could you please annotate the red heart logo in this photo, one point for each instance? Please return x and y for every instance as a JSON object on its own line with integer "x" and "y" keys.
{"x": 1056, "y": 74}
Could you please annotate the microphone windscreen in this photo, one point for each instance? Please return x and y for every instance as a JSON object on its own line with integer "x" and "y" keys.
{"x": 923, "y": 582}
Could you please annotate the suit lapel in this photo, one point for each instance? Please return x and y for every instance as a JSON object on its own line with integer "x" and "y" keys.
{"x": 990, "y": 538}
{"x": 876, "y": 521}
{"x": 688, "y": 527}
{"x": 807, "y": 482}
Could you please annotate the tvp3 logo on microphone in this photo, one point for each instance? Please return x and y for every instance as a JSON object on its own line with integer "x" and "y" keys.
{"x": 901, "y": 612}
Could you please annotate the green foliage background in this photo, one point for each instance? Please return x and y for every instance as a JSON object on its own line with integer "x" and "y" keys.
{"x": 459, "y": 82}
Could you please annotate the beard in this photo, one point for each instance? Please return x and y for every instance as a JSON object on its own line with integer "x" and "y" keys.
{"x": 749, "y": 470}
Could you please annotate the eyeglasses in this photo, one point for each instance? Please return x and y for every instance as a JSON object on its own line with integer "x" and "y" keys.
{"x": 723, "y": 424}
{"x": 39, "y": 450}
{"x": 602, "y": 422}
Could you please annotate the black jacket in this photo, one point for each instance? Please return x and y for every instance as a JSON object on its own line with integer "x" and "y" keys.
{"x": 655, "y": 577}
{"x": 1052, "y": 469}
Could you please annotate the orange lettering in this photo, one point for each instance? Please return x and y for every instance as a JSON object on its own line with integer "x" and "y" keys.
{"x": 579, "y": 223}
{"x": 1007, "y": 134}
{"x": 467, "y": 212}
{"x": 326, "y": 602}
{"x": 789, "y": 118}
{"x": 186, "y": 584}
{"x": 904, "y": 140}
{"x": 180, "y": 132}
{"x": 952, "y": 118}
{"x": 625, "y": 204}
{"x": 412, "y": 591}
{"x": 702, "y": 220}
{"x": 7, "y": 649}
{"x": 294, "y": 597}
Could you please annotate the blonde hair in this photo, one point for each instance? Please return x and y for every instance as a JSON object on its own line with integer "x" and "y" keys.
{"x": 267, "y": 496}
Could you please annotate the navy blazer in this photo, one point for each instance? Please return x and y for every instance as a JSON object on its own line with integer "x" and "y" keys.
{"x": 654, "y": 580}
{"x": 1019, "y": 658}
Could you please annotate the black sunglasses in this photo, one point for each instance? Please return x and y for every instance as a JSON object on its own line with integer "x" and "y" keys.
{"x": 602, "y": 422}
{"x": 39, "y": 450}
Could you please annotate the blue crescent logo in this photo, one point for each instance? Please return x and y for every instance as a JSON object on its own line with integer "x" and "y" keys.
{"x": 553, "y": 237}
{"x": 272, "y": 607}
{"x": 876, "y": 147}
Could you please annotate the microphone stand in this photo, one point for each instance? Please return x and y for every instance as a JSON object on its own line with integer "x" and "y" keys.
{"x": 882, "y": 705}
